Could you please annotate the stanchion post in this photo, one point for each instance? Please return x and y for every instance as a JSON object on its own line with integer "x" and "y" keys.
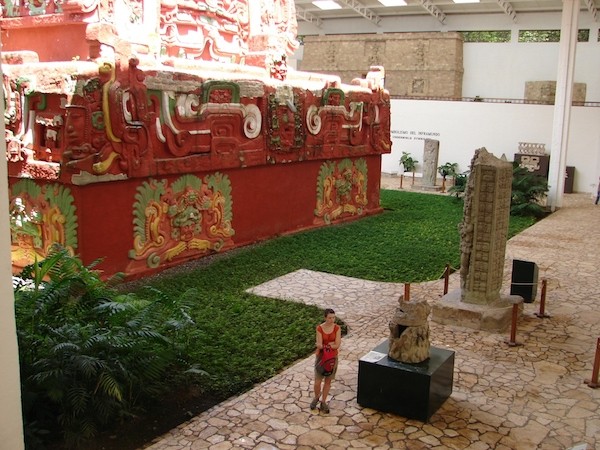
{"x": 401, "y": 179}
{"x": 406, "y": 292}
{"x": 516, "y": 300}
{"x": 446, "y": 278}
{"x": 542, "y": 314}
{"x": 593, "y": 382}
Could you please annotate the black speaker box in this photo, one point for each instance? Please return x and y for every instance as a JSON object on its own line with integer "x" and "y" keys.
{"x": 524, "y": 280}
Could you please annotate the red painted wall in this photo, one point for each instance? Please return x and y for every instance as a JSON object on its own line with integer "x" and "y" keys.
{"x": 50, "y": 43}
{"x": 267, "y": 201}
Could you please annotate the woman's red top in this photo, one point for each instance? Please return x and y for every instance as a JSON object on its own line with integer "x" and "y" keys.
{"x": 329, "y": 338}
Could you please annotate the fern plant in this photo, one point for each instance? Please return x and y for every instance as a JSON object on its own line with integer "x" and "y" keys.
{"x": 460, "y": 184}
{"x": 88, "y": 354}
{"x": 528, "y": 191}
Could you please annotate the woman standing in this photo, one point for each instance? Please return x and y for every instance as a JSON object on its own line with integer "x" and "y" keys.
{"x": 329, "y": 337}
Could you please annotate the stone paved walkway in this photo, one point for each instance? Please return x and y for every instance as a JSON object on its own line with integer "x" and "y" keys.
{"x": 506, "y": 398}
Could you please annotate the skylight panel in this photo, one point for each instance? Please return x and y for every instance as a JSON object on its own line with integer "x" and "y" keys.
{"x": 326, "y": 4}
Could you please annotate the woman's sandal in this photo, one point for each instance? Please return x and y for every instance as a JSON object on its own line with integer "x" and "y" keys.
{"x": 324, "y": 408}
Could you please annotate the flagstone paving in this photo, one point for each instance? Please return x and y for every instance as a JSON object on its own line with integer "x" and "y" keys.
{"x": 531, "y": 396}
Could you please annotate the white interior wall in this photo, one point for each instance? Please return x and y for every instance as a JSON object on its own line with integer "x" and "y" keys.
{"x": 463, "y": 127}
{"x": 501, "y": 70}
{"x": 492, "y": 70}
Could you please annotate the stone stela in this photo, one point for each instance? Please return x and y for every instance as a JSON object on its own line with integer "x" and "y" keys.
{"x": 484, "y": 230}
{"x": 431, "y": 150}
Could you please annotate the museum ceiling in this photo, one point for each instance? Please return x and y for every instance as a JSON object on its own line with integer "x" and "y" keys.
{"x": 375, "y": 10}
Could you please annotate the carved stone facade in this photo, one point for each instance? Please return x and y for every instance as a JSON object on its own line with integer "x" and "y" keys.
{"x": 416, "y": 64}
{"x": 155, "y": 132}
{"x": 484, "y": 228}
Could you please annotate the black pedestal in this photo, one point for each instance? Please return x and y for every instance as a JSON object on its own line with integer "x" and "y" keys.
{"x": 524, "y": 280}
{"x": 415, "y": 391}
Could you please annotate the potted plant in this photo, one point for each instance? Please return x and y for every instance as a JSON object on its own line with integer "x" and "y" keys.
{"x": 445, "y": 170}
{"x": 460, "y": 184}
{"x": 409, "y": 164}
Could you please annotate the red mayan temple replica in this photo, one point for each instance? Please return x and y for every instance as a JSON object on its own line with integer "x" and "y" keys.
{"x": 151, "y": 132}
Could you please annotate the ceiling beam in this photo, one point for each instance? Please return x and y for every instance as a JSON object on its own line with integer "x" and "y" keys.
{"x": 308, "y": 17}
{"x": 433, "y": 10}
{"x": 362, "y": 10}
{"x": 508, "y": 9}
{"x": 592, "y": 8}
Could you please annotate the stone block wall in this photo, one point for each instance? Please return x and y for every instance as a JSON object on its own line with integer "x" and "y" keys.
{"x": 416, "y": 64}
{"x": 545, "y": 91}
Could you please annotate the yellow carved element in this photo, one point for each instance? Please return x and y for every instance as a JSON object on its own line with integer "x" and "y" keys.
{"x": 337, "y": 212}
{"x": 199, "y": 244}
{"x": 152, "y": 237}
{"x": 105, "y": 68}
{"x": 221, "y": 228}
{"x": 175, "y": 251}
{"x": 361, "y": 194}
{"x": 153, "y": 213}
{"x": 194, "y": 244}
{"x": 102, "y": 166}
{"x": 24, "y": 251}
{"x": 55, "y": 221}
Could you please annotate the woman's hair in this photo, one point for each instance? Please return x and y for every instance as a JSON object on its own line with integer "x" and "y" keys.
{"x": 329, "y": 311}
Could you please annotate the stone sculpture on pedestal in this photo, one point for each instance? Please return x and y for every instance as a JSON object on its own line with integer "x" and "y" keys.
{"x": 409, "y": 331}
{"x": 404, "y": 374}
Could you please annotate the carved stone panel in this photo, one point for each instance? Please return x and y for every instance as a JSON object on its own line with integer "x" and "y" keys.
{"x": 416, "y": 64}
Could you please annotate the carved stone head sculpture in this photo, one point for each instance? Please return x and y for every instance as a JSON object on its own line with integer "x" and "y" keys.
{"x": 409, "y": 331}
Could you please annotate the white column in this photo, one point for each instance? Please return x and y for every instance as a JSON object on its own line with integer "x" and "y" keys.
{"x": 562, "y": 102}
{"x": 11, "y": 420}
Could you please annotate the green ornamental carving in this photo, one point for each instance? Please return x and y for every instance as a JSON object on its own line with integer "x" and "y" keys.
{"x": 39, "y": 217}
{"x": 184, "y": 219}
{"x": 341, "y": 189}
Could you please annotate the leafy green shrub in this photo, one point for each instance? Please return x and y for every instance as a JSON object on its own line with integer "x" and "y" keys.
{"x": 87, "y": 353}
{"x": 460, "y": 184}
{"x": 528, "y": 190}
{"x": 448, "y": 170}
{"x": 408, "y": 162}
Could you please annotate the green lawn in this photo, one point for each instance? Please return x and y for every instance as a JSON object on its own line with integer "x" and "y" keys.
{"x": 91, "y": 355}
{"x": 241, "y": 339}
